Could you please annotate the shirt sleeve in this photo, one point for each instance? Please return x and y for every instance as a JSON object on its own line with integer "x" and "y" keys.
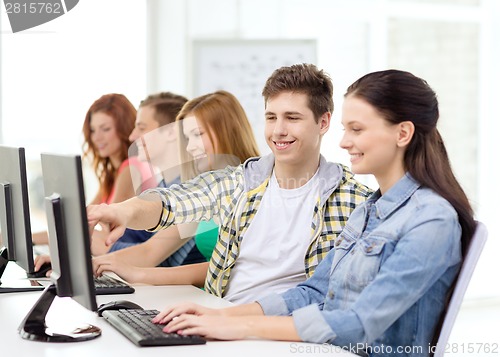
{"x": 313, "y": 290}
{"x": 121, "y": 245}
{"x": 205, "y": 197}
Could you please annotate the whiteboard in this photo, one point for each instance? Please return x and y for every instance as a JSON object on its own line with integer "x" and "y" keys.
{"x": 242, "y": 68}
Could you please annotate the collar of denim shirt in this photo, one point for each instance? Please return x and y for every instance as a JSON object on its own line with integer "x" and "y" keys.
{"x": 395, "y": 197}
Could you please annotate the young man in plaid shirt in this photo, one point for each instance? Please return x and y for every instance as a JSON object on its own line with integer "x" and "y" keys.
{"x": 278, "y": 215}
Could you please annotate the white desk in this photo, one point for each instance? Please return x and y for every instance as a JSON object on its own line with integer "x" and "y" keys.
{"x": 15, "y": 306}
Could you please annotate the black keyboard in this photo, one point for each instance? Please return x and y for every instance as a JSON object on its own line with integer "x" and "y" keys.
{"x": 136, "y": 325}
{"x": 106, "y": 285}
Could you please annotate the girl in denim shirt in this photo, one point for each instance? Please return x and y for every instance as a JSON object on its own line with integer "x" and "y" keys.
{"x": 383, "y": 288}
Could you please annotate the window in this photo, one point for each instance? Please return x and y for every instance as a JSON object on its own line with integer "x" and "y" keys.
{"x": 51, "y": 74}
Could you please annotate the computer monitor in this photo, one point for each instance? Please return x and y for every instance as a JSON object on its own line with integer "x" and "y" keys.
{"x": 69, "y": 248}
{"x": 15, "y": 226}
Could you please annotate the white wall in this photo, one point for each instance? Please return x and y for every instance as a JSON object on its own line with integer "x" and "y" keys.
{"x": 451, "y": 43}
{"x": 51, "y": 74}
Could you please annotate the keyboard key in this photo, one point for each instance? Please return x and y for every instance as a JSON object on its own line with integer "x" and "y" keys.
{"x": 106, "y": 285}
{"x": 136, "y": 325}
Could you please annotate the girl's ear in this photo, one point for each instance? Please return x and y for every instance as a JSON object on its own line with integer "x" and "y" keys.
{"x": 405, "y": 133}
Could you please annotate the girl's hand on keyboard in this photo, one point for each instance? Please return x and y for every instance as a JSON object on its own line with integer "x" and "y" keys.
{"x": 212, "y": 327}
{"x": 172, "y": 312}
{"x": 41, "y": 260}
{"x": 113, "y": 263}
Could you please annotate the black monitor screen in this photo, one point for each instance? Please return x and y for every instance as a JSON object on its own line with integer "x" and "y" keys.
{"x": 68, "y": 228}
{"x": 69, "y": 249}
{"x": 15, "y": 227}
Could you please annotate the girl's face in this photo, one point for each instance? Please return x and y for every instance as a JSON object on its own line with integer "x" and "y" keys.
{"x": 104, "y": 136}
{"x": 199, "y": 145}
{"x": 371, "y": 141}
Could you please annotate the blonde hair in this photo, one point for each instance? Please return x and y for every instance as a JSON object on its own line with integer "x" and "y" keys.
{"x": 223, "y": 116}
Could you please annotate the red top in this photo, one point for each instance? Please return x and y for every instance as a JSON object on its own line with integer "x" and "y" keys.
{"x": 148, "y": 179}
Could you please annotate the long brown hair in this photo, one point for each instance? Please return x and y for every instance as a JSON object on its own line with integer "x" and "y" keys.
{"x": 123, "y": 113}
{"x": 223, "y": 116}
{"x": 400, "y": 96}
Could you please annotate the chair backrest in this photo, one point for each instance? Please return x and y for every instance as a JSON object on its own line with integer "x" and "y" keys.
{"x": 469, "y": 263}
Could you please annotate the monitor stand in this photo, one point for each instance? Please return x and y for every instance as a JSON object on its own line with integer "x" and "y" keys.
{"x": 4, "y": 260}
{"x": 17, "y": 285}
{"x": 34, "y": 328}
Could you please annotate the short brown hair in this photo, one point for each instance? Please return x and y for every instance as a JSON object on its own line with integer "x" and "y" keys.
{"x": 166, "y": 106}
{"x": 303, "y": 78}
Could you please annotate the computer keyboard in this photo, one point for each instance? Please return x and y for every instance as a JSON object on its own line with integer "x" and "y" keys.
{"x": 136, "y": 325}
{"x": 106, "y": 285}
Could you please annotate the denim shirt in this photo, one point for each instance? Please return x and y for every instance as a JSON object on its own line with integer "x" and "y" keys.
{"x": 381, "y": 291}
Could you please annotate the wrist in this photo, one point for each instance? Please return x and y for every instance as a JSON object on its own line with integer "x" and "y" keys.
{"x": 145, "y": 211}
{"x": 125, "y": 212}
{"x": 140, "y": 275}
{"x": 250, "y": 328}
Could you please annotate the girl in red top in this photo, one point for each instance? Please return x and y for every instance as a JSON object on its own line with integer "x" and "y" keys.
{"x": 107, "y": 127}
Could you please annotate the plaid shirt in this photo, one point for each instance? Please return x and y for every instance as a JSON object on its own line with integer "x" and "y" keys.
{"x": 232, "y": 196}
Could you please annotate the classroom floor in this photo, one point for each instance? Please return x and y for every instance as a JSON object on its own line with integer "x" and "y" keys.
{"x": 476, "y": 330}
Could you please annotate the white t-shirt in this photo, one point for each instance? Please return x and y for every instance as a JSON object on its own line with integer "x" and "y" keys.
{"x": 273, "y": 249}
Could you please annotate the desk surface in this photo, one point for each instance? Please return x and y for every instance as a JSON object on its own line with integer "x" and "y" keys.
{"x": 15, "y": 306}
